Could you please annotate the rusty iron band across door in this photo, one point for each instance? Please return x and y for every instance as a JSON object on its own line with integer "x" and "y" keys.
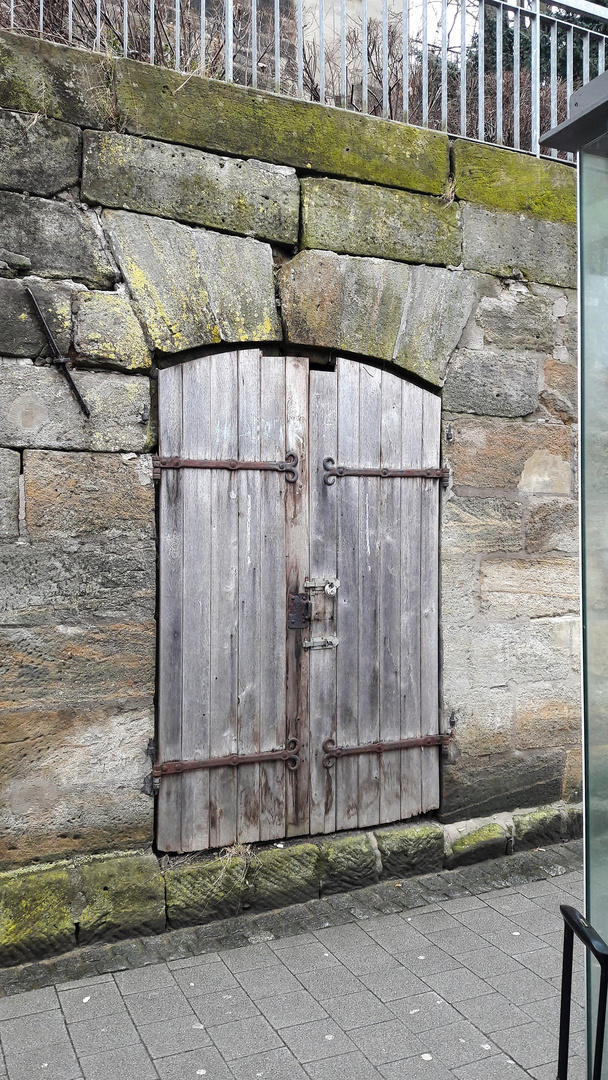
{"x": 291, "y": 756}
{"x": 289, "y": 467}
{"x": 331, "y": 471}
{"x": 331, "y": 751}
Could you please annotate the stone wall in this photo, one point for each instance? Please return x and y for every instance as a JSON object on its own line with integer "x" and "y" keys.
{"x": 155, "y": 216}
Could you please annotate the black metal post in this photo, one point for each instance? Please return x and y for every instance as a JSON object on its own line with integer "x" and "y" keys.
{"x": 601, "y": 1024}
{"x": 575, "y": 923}
{"x": 564, "y": 1013}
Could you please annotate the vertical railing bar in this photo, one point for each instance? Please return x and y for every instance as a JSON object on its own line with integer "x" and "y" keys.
{"x": 553, "y": 78}
{"x": 97, "y": 25}
{"x": 125, "y": 27}
{"x": 70, "y": 20}
{"x": 535, "y": 78}
{"x": 322, "y": 52}
{"x": 12, "y": 14}
{"x": 405, "y": 37}
{"x": 277, "y": 47}
{"x": 385, "y": 58}
{"x": 516, "y": 77}
{"x": 425, "y": 65}
{"x": 203, "y": 63}
{"x": 151, "y": 31}
{"x": 601, "y": 55}
{"x": 481, "y": 118}
{"x": 586, "y": 57}
{"x": 41, "y": 17}
{"x": 499, "y": 74}
{"x": 364, "y": 56}
{"x": 463, "y": 68}
{"x": 343, "y": 89}
{"x": 228, "y": 40}
{"x": 300, "y": 50}
{"x": 178, "y": 19}
{"x": 444, "y": 65}
{"x": 254, "y": 42}
{"x": 569, "y": 72}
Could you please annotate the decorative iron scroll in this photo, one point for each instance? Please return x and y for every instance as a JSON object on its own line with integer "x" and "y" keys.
{"x": 331, "y": 751}
{"x": 289, "y": 467}
{"x": 291, "y": 756}
{"x": 331, "y": 471}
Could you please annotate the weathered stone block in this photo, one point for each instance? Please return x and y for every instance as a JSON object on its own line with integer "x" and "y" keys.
{"x": 476, "y": 787}
{"x": 21, "y": 334}
{"x": 59, "y": 240}
{"x": 502, "y": 180}
{"x": 410, "y": 849}
{"x": 38, "y": 155}
{"x": 574, "y": 821}
{"x": 483, "y": 718}
{"x": 487, "y": 842}
{"x": 11, "y": 264}
{"x": 35, "y": 915}
{"x": 518, "y": 318}
{"x": 276, "y": 878}
{"x": 435, "y": 312}
{"x": 547, "y": 714}
{"x": 459, "y": 588}
{"x": 552, "y": 525}
{"x": 250, "y": 198}
{"x": 347, "y": 862}
{"x": 560, "y": 393}
{"x": 203, "y": 891}
{"x": 492, "y": 382}
{"x": 74, "y": 495}
{"x": 509, "y": 454}
{"x": 512, "y": 245}
{"x": 52, "y": 80}
{"x": 476, "y": 656}
{"x": 361, "y": 219}
{"x": 573, "y": 779}
{"x": 124, "y": 896}
{"x": 539, "y": 827}
{"x": 192, "y": 287}
{"x": 107, "y": 333}
{"x": 37, "y": 409}
{"x": 10, "y": 467}
{"x": 214, "y": 115}
{"x": 480, "y": 525}
{"x": 538, "y": 588}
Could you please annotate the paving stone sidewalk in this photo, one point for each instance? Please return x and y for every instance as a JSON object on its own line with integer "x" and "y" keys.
{"x": 458, "y": 988}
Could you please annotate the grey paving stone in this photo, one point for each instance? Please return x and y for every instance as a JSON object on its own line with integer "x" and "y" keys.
{"x": 577, "y": 1070}
{"x": 205, "y": 979}
{"x": 491, "y": 1012}
{"x": 546, "y": 1012}
{"x": 332, "y": 982}
{"x": 267, "y": 982}
{"x": 457, "y": 942}
{"x": 390, "y": 983}
{"x": 101, "y": 1033}
{"x": 500, "y": 1067}
{"x": 357, "y": 1010}
{"x": 31, "y": 1032}
{"x": 272, "y": 1065}
{"x": 522, "y": 986}
{"x": 220, "y": 1008}
{"x": 546, "y": 962}
{"x": 462, "y": 903}
{"x": 152, "y": 977}
{"x": 528, "y": 1044}
{"x": 193, "y": 1064}
{"x": 36, "y": 1001}
{"x": 303, "y": 958}
{"x": 459, "y": 1044}
{"x": 320, "y": 1039}
{"x": 540, "y": 922}
{"x": 345, "y": 1067}
{"x": 397, "y": 939}
{"x": 351, "y": 935}
{"x": 578, "y": 986}
{"x": 158, "y": 1005}
{"x": 250, "y": 957}
{"x": 457, "y": 985}
{"x": 509, "y": 902}
{"x": 296, "y": 938}
{"x": 240, "y": 1038}
{"x": 57, "y": 1062}
{"x": 512, "y": 941}
{"x": 364, "y": 961}
{"x": 287, "y": 1010}
{"x": 100, "y": 999}
{"x": 174, "y": 1036}
{"x": 129, "y": 1061}
{"x": 193, "y": 961}
{"x": 490, "y": 961}
{"x": 537, "y": 888}
{"x": 433, "y": 921}
{"x": 485, "y": 918}
{"x": 424, "y": 1067}
{"x": 388, "y": 1041}
{"x": 430, "y": 960}
{"x": 75, "y": 984}
{"x": 424, "y": 1011}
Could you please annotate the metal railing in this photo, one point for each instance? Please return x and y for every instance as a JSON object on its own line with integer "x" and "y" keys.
{"x": 494, "y": 70}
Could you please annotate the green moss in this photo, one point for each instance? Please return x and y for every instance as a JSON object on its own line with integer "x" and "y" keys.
{"x": 124, "y": 896}
{"x": 207, "y": 890}
{"x": 277, "y": 877}
{"x": 410, "y": 849}
{"x": 544, "y": 826}
{"x": 488, "y": 842}
{"x": 503, "y": 180}
{"x": 347, "y": 862}
{"x": 36, "y": 913}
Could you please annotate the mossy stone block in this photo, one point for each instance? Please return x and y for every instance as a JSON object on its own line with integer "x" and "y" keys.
{"x": 538, "y": 828}
{"x": 106, "y": 332}
{"x": 504, "y": 180}
{"x": 214, "y": 115}
{"x": 124, "y": 897}
{"x": 410, "y": 849}
{"x": 574, "y": 822}
{"x": 347, "y": 862}
{"x": 277, "y": 877}
{"x": 488, "y": 842}
{"x": 37, "y": 155}
{"x": 36, "y": 913}
{"x": 57, "y": 81}
{"x": 203, "y": 891}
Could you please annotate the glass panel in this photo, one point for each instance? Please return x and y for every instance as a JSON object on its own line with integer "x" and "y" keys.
{"x": 593, "y": 174}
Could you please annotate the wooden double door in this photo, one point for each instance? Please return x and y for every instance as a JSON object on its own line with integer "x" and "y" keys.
{"x": 298, "y": 599}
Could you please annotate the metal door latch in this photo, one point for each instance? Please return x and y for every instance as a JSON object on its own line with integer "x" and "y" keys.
{"x": 299, "y": 611}
{"x": 329, "y": 586}
{"x": 320, "y": 643}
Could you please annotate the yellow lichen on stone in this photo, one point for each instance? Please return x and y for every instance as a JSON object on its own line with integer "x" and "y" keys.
{"x": 107, "y": 331}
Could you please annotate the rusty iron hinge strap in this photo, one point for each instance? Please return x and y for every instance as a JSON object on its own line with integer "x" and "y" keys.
{"x": 291, "y": 756}
{"x": 331, "y": 471}
{"x": 289, "y": 467}
{"x": 331, "y": 751}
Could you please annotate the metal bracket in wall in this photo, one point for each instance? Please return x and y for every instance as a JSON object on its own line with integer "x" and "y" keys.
{"x": 331, "y": 471}
{"x": 289, "y": 467}
{"x": 331, "y": 751}
{"x": 60, "y": 361}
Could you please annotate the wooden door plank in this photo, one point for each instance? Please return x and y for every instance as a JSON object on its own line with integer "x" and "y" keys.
{"x": 170, "y": 610}
{"x": 370, "y": 405}
{"x": 224, "y": 599}
{"x": 389, "y": 596}
{"x": 249, "y": 487}
{"x": 273, "y": 606}
{"x": 297, "y": 570}
{"x": 196, "y": 675}
{"x": 411, "y": 780}
{"x": 346, "y": 770}
{"x": 429, "y": 585}
{"x": 323, "y": 563}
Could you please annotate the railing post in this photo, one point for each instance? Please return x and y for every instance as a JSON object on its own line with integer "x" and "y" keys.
{"x": 481, "y": 72}
{"x": 535, "y": 77}
{"x": 564, "y": 1013}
